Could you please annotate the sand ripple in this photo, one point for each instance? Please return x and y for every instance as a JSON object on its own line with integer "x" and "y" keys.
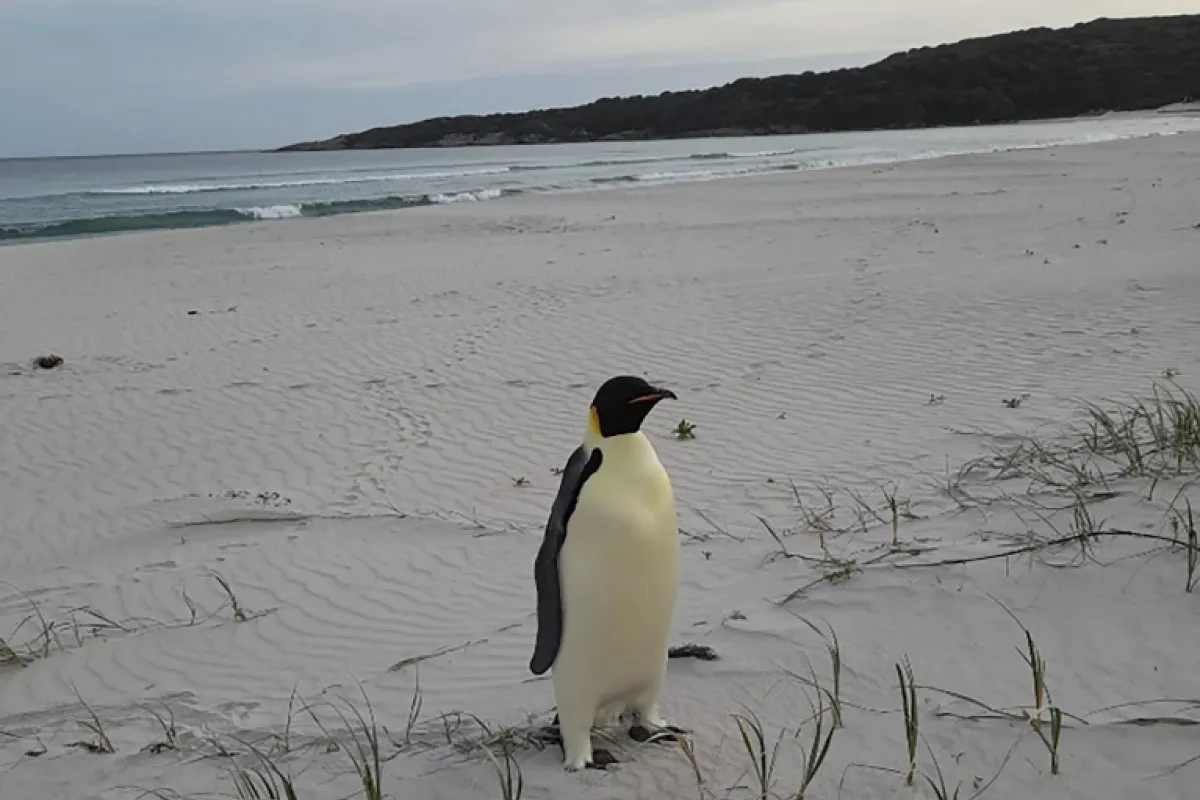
{"x": 358, "y": 429}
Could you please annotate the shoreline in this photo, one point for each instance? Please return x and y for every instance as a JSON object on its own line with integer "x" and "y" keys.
{"x": 1173, "y": 108}
{"x": 222, "y": 217}
{"x": 1181, "y": 108}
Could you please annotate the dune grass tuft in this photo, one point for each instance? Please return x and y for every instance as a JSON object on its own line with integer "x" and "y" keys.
{"x": 1155, "y": 436}
{"x": 508, "y": 769}
{"x": 101, "y": 743}
{"x": 8, "y": 656}
{"x": 939, "y": 788}
{"x": 37, "y": 636}
{"x": 1152, "y": 436}
{"x": 763, "y": 755}
{"x": 250, "y": 783}
{"x": 170, "y": 740}
{"x": 762, "y": 759}
{"x": 832, "y": 693}
{"x": 817, "y": 749}
{"x": 265, "y": 782}
{"x": 363, "y": 748}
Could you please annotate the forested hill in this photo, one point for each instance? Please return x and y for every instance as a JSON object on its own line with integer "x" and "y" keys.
{"x": 1104, "y": 65}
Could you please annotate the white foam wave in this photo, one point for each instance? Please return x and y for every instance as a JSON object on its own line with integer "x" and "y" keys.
{"x": 271, "y": 212}
{"x": 466, "y": 197}
{"x": 603, "y": 162}
{"x": 764, "y": 154}
{"x": 782, "y": 163}
{"x": 193, "y": 188}
{"x": 701, "y": 174}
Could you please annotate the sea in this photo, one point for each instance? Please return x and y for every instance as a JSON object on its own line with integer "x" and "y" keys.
{"x": 46, "y": 198}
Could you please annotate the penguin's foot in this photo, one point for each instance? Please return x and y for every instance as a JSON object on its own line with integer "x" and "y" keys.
{"x": 667, "y": 733}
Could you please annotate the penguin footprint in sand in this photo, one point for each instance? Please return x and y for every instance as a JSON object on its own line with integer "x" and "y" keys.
{"x": 610, "y": 555}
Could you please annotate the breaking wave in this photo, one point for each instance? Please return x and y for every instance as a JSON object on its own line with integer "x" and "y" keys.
{"x": 332, "y": 180}
{"x": 201, "y": 218}
{"x": 388, "y": 177}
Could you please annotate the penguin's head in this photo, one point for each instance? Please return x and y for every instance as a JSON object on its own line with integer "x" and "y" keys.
{"x": 623, "y": 402}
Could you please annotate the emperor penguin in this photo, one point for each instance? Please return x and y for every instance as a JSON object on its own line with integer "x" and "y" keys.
{"x": 607, "y": 575}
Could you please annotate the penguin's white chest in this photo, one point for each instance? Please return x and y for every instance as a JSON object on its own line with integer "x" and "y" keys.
{"x": 619, "y": 571}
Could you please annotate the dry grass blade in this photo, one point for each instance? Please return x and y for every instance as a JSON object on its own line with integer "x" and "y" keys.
{"x": 1042, "y": 701}
{"x": 834, "y": 648}
{"x": 817, "y": 749}
{"x": 404, "y": 663}
{"x": 414, "y": 711}
{"x": 508, "y": 769}
{"x": 939, "y": 788}
{"x": 267, "y": 783}
{"x": 39, "y": 645}
{"x": 1052, "y": 738}
{"x": 837, "y": 571}
{"x": 1185, "y": 526}
{"x": 1193, "y": 553}
{"x": 9, "y": 656}
{"x": 908, "y": 696}
{"x": 1159, "y": 434}
{"x": 239, "y": 613}
{"x": 102, "y": 743}
{"x": 365, "y": 752}
{"x": 783, "y": 548}
{"x": 1041, "y": 697}
{"x": 170, "y": 739}
{"x": 819, "y": 521}
{"x": 253, "y": 784}
{"x": 1048, "y": 544}
{"x": 689, "y": 752}
{"x": 1037, "y": 665}
{"x": 762, "y": 762}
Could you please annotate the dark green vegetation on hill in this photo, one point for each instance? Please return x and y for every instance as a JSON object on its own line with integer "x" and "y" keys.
{"x": 1104, "y": 65}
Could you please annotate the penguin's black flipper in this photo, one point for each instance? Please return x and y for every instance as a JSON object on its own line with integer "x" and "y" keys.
{"x": 545, "y": 567}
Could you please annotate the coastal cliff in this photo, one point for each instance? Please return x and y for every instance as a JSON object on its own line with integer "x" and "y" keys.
{"x": 1040, "y": 73}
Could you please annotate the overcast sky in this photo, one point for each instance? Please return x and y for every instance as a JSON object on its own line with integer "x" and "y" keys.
{"x": 105, "y": 76}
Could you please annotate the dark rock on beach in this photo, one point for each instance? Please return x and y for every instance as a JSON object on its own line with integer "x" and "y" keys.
{"x": 50, "y": 361}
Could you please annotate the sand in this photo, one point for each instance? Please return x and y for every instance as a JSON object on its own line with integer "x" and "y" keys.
{"x": 355, "y": 421}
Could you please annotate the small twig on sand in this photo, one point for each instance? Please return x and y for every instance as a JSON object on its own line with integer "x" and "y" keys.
{"x": 441, "y": 651}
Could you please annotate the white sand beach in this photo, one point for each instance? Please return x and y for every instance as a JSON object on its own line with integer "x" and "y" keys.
{"x": 355, "y": 423}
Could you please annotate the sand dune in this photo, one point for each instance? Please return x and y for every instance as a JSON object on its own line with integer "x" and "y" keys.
{"x": 354, "y": 422}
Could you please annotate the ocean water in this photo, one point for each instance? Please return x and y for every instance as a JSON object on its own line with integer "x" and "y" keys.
{"x": 58, "y": 197}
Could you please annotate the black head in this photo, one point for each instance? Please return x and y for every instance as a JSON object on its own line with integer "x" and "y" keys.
{"x": 623, "y": 402}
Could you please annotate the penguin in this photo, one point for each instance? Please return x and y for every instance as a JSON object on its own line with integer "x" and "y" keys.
{"x": 607, "y": 576}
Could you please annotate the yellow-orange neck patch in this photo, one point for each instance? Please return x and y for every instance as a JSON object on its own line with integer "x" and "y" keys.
{"x": 593, "y": 436}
